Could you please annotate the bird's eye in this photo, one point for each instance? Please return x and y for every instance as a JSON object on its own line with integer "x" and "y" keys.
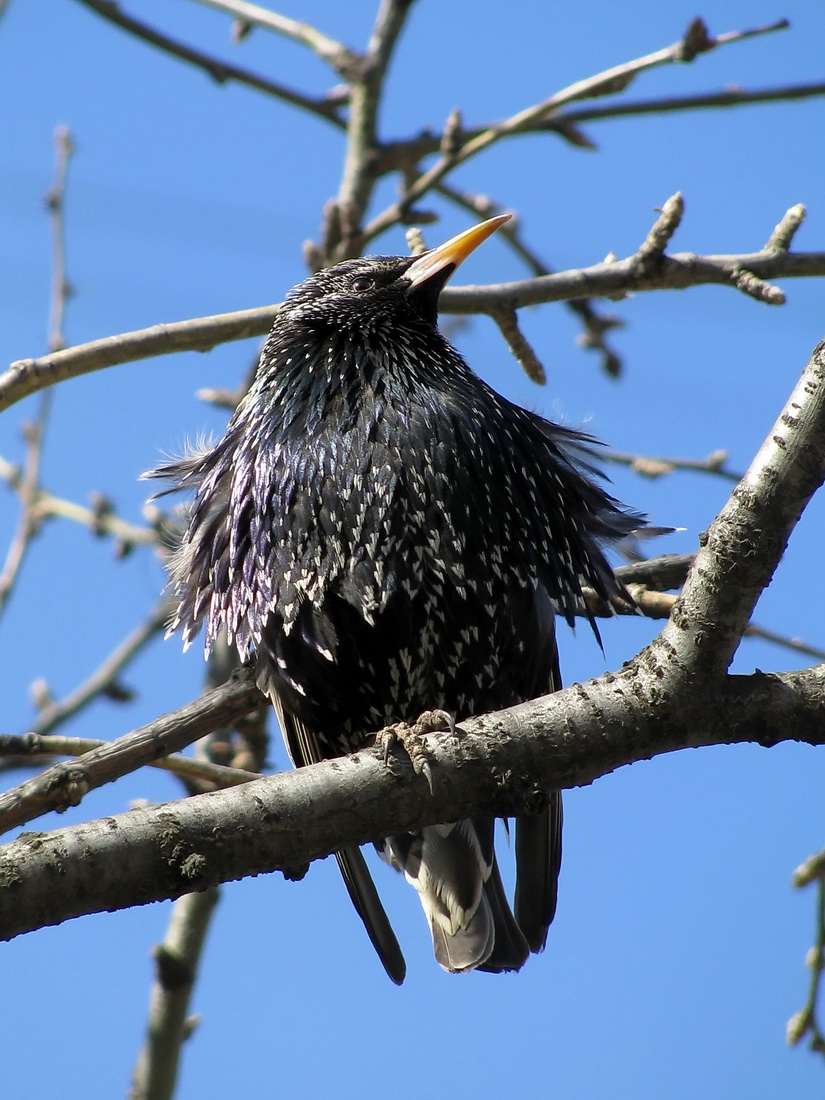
{"x": 362, "y": 282}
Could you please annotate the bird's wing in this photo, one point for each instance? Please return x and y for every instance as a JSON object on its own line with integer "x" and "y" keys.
{"x": 302, "y": 745}
{"x": 538, "y": 862}
{"x": 538, "y": 841}
{"x": 364, "y": 897}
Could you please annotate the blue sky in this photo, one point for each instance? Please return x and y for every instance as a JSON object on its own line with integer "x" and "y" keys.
{"x": 677, "y": 954}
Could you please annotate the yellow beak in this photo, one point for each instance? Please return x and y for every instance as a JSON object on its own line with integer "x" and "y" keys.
{"x": 453, "y": 251}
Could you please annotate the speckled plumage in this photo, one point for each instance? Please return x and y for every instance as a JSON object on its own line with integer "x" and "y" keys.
{"x": 381, "y": 533}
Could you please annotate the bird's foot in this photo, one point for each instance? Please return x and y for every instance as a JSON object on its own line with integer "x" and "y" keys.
{"x": 412, "y": 739}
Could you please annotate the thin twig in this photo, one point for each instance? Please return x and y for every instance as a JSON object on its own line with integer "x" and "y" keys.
{"x": 658, "y": 605}
{"x": 654, "y": 466}
{"x": 519, "y": 345}
{"x": 796, "y": 645}
{"x": 101, "y": 520}
{"x": 595, "y": 324}
{"x": 812, "y": 869}
{"x": 28, "y": 489}
{"x": 695, "y": 41}
{"x": 394, "y": 155}
{"x": 806, "y": 1021}
{"x": 654, "y": 245}
{"x": 55, "y": 202}
{"x": 730, "y": 97}
{"x": 28, "y": 483}
{"x": 66, "y": 784}
{"x": 30, "y": 747}
{"x": 783, "y": 233}
{"x": 341, "y": 58}
{"x": 106, "y": 675}
{"x": 220, "y": 71}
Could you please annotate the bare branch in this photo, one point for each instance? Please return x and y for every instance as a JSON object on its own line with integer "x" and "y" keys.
{"x": 659, "y": 605}
{"x": 100, "y": 519}
{"x": 517, "y": 342}
{"x": 394, "y": 155}
{"x": 341, "y": 58}
{"x": 178, "y": 957}
{"x": 200, "y": 334}
{"x": 359, "y": 172}
{"x": 796, "y": 645}
{"x": 730, "y": 97}
{"x": 176, "y": 967}
{"x": 27, "y": 483}
{"x": 65, "y": 785}
{"x": 595, "y": 324}
{"x": 55, "y": 202}
{"x": 660, "y": 574}
{"x": 812, "y": 869}
{"x": 654, "y": 466}
{"x": 604, "y": 280}
{"x": 785, "y": 231}
{"x": 696, "y": 41}
{"x": 28, "y": 491}
{"x": 220, "y": 71}
{"x": 654, "y": 245}
{"x": 106, "y": 676}
{"x": 29, "y": 747}
{"x": 806, "y": 1021}
{"x": 498, "y": 764}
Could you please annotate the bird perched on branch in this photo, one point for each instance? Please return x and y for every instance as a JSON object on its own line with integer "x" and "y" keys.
{"x": 381, "y": 534}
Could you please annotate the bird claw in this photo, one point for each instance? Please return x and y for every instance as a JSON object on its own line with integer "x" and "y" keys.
{"x": 411, "y": 739}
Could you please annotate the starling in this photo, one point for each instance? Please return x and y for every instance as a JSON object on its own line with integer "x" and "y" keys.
{"x": 381, "y": 534}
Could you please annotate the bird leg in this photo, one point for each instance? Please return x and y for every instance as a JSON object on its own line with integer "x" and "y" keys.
{"x": 412, "y": 739}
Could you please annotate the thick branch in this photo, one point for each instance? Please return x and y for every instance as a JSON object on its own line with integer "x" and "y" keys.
{"x": 499, "y": 764}
{"x": 746, "y": 541}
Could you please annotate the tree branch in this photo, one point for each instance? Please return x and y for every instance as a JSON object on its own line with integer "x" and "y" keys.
{"x": 340, "y": 57}
{"x": 747, "y": 540}
{"x": 695, "y": 41}
{"x": 101, "y": 519}
{"x": 595, "y": 324}
{"x": 343, "y": 236}
{"x": 497, "y": 764}
{"x": 500, "y": 763}
{"x": 220, "y": 71}
{"x": 611, "y": 279}
{"x": 28, "y": 483}
{"x": 394, "y": 155}
{"x": 66, "y": 784}
{"x": 105, "y": 677}
{"x": 176, "y": 967}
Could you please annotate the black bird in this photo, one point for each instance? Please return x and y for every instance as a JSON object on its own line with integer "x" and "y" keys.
{"x": 381, "y": 534}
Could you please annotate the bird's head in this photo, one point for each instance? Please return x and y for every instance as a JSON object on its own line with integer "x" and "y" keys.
{"x": 359, "y": 294}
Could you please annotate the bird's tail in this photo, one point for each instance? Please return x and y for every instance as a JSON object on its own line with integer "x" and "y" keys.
{"x": 454, "y": 870}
